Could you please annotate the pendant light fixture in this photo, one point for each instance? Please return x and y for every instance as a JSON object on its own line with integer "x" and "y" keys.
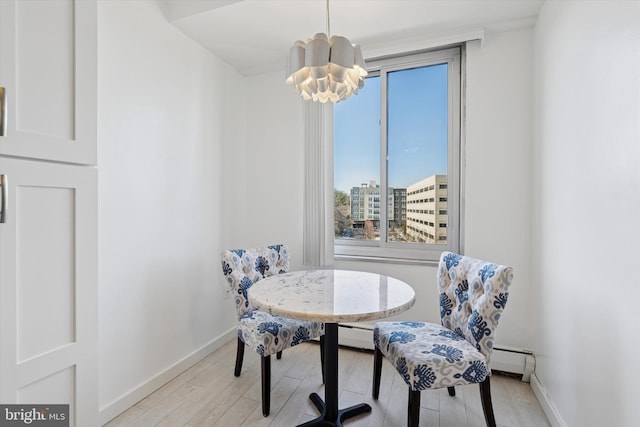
{"x": 326, "y": 68}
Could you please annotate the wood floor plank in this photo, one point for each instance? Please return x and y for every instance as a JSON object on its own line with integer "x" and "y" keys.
{"x": 208, "y": 394}
{"x": 429, "y": 417}
{"x": 298, "y": 407}
{"x": 126, "y": 418}
{"x": 452, "y": 409}
{"x": 397, "y": 406}
{"x": 387, "y": 378}
{"x": 204, "y": 397}
{"x": 430, "y": 399}
{"x": 213, "y": 409}
{"x": 504, "y": 406}
{"x": 237, "y": 413}
{"x": 360, "y": 378}
{"x": 165, "y": 406}
{"x": 280, "y": 394}
{"x": 473, "y": 405}
{"x": 305, "y": 360}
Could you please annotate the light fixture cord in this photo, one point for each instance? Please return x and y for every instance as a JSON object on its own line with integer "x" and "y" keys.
{"x": 328, "y": 24}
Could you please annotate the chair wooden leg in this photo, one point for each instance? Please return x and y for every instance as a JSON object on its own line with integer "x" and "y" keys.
{"x": 279, "y": 355}
{"x": 377, "y": 373}
{"x": 239, "y": 357}
{"x": 413, "y": 419}
{"x": 487, "y": 407}
{"x": 452, "y": 391}
{"x": 322, "y": 356}
{"x": 266, "y": 385}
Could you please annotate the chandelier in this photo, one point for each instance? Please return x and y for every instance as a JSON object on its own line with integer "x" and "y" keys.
{"x": 326, "y": 68}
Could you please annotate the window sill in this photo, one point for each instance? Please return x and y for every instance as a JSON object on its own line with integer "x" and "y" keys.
{"x": 386, "y": 260}
{"x": 390, "y": 253}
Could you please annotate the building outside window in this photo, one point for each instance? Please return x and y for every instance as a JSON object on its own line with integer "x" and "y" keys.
{"x": 400, "y": 137}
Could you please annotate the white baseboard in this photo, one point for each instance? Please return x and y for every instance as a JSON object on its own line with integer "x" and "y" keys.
{"x": 513, "y": 360}
{"x": 356, "y": 335}
{"x": 127, "y": 400}
{"x": 547, "y": 404}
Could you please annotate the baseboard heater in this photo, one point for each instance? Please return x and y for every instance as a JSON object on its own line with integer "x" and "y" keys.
{"x": 509, "y": 360}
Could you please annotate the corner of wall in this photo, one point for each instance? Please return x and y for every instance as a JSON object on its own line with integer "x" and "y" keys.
{"x": 547, "y": 404}
{"x": 138, "y": 393}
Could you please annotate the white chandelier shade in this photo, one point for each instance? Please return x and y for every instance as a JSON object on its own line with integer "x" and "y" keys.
{"x": 326, "y": 69}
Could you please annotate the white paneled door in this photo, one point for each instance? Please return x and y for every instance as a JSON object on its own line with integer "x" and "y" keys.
{"x": 48, "y": 225}
{"x": 48, "y": 297}
{"x": 48, "y": 70}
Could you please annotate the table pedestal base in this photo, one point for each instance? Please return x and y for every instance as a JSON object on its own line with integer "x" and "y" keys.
{"x": 343, "y": 414}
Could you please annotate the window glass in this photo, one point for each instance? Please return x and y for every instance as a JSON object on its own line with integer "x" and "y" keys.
{"x": 417, "y": 151}
{"x": 397, "y": 160}
{"x": 356, "y": 164}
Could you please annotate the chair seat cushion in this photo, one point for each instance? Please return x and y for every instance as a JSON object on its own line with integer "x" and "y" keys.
{"x": 267, "y": 334}
{"x": 429, "y": 356}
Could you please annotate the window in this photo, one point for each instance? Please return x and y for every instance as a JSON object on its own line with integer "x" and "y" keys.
{"x": 400, "y": 136}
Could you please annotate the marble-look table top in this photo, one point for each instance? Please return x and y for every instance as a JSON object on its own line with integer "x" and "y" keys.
{"x": 332, "y": 295}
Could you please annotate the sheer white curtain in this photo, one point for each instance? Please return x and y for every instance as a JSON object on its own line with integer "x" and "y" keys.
{"x": 318, "y": 185}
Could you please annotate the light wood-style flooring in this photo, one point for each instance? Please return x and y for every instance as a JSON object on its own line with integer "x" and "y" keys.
{"x": 209, "y": 395}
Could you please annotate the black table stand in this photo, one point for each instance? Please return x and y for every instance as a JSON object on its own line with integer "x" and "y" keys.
{"x": 330, "y": 415}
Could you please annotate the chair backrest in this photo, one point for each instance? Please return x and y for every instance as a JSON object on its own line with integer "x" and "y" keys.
{"x": 243, "y": 267}
{"x": 473, "y": 294}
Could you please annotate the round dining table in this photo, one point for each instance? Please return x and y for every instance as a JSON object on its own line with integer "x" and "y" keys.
{"x": 332, "y": 296}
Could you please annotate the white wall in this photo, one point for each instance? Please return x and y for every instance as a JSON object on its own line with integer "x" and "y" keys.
{"x": 170, "y": 114}
{"x": 273, "y": 164}
{"x": 498, "y": 168}
{"x": 498, "y": 175}
{"x": 586, "y": 198}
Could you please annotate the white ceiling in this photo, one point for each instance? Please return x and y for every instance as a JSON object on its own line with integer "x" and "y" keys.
{"x": 254, "y": 36}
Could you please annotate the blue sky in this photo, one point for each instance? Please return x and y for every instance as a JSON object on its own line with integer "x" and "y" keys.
{"x": 417, "y": 130}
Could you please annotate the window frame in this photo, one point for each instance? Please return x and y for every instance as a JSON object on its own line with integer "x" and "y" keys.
{"x": 382, "y": 250}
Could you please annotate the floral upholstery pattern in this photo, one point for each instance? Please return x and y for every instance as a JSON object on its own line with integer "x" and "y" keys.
{"x": 268, "y": 334}
{"x": 429, "y": 356}
{"x": 261, "y": 331}
{"x": 473, "y": 294}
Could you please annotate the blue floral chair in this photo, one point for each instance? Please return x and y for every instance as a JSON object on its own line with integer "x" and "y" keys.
{"x": 473, "y": 294}
{"x": 262, "y": 332}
